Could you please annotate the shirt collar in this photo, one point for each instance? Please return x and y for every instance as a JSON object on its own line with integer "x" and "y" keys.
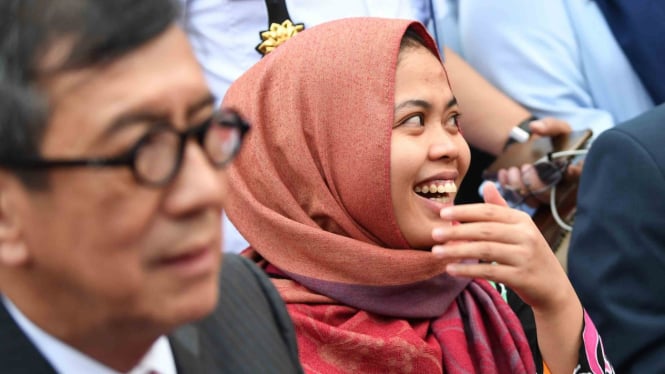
{"x": 66, "y": 359}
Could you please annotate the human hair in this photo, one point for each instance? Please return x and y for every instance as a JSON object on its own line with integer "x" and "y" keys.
{"x": 411, "y": 39}
{"x": 95, "y": 32}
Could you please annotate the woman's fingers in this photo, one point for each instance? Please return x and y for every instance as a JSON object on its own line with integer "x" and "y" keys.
{"x": 483, "y": 213}
{"x": 480, "y": 231}
{"x": 494, "y": 272}
{"x": 491, "y": 195}
{"x": 538, "y": 190}
{"x": 513, "y": 179}
{"x": 484, "y": 251}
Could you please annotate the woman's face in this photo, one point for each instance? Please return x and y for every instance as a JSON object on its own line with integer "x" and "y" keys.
{"x": 429, "y": 156}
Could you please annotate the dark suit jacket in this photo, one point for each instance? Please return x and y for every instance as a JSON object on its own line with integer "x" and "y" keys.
{"x": 249, "y": 332}
{"x": 617, "y": 251}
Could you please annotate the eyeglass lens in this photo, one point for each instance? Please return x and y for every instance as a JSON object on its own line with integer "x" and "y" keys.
{"x": 221, "y": 143}
{"x": 157, "y": 156}
{"x": 159, "y": 152}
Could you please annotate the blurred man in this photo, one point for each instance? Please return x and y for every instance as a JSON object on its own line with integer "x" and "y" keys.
{"x": 617, "y": 250}
{"x": 111, "y": 186}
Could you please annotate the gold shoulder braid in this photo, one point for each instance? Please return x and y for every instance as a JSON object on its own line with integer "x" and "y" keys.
{"x": 280, "y": 29}
{"x": 277, "y": 34}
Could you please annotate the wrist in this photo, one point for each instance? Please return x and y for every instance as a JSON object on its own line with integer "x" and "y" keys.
{"x": 520, "y": 133}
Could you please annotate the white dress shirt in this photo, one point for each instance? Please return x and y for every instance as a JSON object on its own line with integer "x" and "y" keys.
{"x": 66, "y": 359}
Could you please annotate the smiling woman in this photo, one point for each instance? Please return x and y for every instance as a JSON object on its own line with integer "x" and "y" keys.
{"x": 354, "y": 156}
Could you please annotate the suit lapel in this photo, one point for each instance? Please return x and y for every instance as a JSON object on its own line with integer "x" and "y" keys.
{"x": 187, "y": 351}
{"x": 17, "y": 353}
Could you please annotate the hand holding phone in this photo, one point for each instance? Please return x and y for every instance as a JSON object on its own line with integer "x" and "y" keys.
{"x": 550, "y": 220}
{"x": 535, "y": 149}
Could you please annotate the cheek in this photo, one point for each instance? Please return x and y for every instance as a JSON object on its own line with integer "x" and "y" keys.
{"x": 127, "y": 219}
{"x": 402, "y": 167}
{"x": 464, "y": 158}
{"x": 223, "y": 178}
{"x": 102, "y": 211}
{"x": 79, "y": 248}
{"x": 406, "y": 159}
{"x": 121, "y": 211}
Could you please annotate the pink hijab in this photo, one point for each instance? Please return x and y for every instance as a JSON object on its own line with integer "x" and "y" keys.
{"x": 311, "y": 193}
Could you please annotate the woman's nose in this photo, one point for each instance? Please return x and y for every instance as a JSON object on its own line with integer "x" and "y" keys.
{"x": 442, "y": 145}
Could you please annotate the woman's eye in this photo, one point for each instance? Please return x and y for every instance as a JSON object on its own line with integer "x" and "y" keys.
{"x": 416, "y": 120}
{"x": 453, "y": 121}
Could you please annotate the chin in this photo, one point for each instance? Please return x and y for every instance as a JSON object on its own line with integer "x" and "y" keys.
{"x": 189, "y": 306}
{"x": 422, "y": 241}
{"x": 200, "y": 304}
{"x": 420, "y": 234}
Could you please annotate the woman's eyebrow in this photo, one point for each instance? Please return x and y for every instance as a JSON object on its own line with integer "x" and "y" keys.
{"x": 413, "y": 103}
{"x": 451, "y": 103}
{"x": 423, "y": 104}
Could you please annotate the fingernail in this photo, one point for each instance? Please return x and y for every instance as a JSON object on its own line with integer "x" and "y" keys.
{"x": 438, "y": 233}
{"x": 537, "y": 125}
{"x": 452, "y": 268}
{"x": 438, "y": 251}
{"x": 446, "y": 212}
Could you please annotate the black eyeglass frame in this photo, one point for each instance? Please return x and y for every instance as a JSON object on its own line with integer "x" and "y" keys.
{"x": 225, "y": 118}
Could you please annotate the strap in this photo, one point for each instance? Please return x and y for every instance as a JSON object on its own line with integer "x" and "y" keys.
{"x": 521, "y": 132}
{"x": 277, "y": 11}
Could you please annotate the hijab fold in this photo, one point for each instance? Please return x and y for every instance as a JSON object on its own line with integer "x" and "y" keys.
{"x": 310, "y": 190}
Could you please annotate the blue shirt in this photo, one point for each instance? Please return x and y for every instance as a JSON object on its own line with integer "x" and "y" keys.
{"x": 556, "y": 57}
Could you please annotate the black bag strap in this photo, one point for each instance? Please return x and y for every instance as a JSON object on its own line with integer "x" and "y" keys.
{"x": 277, "y": 11}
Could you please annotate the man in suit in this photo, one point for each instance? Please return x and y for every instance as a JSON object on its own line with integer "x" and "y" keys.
{"x": 617, "y": 251}
{"x": 112, "y": 182}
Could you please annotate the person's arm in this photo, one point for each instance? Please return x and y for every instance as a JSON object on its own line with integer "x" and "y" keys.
{"x": 529, "y": 50}
{"x": 488, "y": 115}
{"x": 616, "y": 259}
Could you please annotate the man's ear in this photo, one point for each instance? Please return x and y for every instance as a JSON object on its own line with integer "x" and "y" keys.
{"x": 13, "y": 251}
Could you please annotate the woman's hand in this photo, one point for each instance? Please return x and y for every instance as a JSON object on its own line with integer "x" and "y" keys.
{"x": 510, "y": 248}
{"x": 512, "y": 251}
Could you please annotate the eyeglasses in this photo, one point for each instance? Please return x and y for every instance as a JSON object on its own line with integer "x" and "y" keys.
{"x": 157, "y": 156}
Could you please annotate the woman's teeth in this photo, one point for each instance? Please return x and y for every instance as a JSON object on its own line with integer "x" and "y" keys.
{"x": 439, "y": 191}
{"x": 436, "y": 187}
